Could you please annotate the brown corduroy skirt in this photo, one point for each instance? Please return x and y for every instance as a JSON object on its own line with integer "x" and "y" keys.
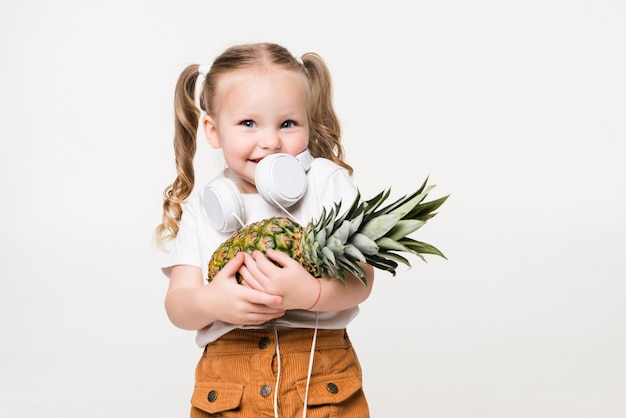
{"x": 236, "y": 376}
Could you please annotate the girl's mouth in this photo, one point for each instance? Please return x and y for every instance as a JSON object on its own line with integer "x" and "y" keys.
{"x": 256, "y": 160}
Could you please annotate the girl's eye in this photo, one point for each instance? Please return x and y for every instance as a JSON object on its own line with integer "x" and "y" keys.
{"x": 288, "y": 124}
{"x": 248, "y": 123}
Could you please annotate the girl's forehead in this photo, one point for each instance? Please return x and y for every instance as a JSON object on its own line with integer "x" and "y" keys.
{"x": 258, "y": 74}
{"x": 251, "y": 89}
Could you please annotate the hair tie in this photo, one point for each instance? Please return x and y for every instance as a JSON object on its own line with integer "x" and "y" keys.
{"x": 319, "y": 293}
{"x": 299, "y": 60}
{"x": 203, "y": 69}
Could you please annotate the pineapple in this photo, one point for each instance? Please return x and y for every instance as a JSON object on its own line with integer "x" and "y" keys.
{"x": 334, "y": 245}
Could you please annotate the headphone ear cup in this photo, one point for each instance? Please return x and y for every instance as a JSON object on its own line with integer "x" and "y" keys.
{"x": 224, "y": 204}
{"x": 280, "y": 179}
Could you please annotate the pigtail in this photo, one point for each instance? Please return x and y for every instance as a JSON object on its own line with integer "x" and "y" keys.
{"x": 186, "y": 117}
{"x": 325, "y": 137}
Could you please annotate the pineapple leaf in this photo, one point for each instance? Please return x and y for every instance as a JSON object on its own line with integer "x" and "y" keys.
{"x": 379, "y": 226}
{"x": 354, "y": 253}
{"x": 355, "y": 224}
{"x": 354, "y": 269}
{"x": 382, "y": 263}
{"x": 371, "y": 205}
{"x": 342, "y": 233}
{"x": 334, "y": 245}
{"x": 329, "y": 256}
{"x": 365, "y": 244}
{"x": 405, "y": 205}
{"x": 356, "y": 208}
{"x": 400, "y": 259}
{"x": 422, "y": 247}
{"x": 404, "y": 228}
{"x": 337, "y": 274}
{"x": 320, "y": 238}
{"x": 393, "y": 206}
{"x": 390, "y": 244}
{"x": 426, "y": 209}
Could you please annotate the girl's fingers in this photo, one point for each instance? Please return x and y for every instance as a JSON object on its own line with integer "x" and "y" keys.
{"x": 235, "y": 262}
{"x": 260, "y": 298}
{"x": 230, "y": 269}
{"x": 248, "y": 279}
{"x": 266, "y": 265}
{"x": 283, "y": 259}
{"x": 255, "y": 271}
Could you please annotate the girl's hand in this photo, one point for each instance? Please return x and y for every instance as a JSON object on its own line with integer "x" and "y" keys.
{"x": 238, "y": 304}
{"x": 297, "y": 287}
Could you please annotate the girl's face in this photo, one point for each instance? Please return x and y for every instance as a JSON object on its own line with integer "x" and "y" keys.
{"x": 258, "y": 112}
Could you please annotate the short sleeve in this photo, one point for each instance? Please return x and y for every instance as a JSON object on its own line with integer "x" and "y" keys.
{"x": 333, "y": 184}
{"x": 186, "y": 247}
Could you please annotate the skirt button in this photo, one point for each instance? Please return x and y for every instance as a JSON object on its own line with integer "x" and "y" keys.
{"x": 264, "y": 342}
{"x": 265, "y": 391}
{"x": 212, "y": 396}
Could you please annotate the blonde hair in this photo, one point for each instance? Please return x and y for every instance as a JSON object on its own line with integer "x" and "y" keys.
{"x": 324, "y": 135}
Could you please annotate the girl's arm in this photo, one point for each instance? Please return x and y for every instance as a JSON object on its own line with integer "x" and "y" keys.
{"x": 335, "y": 295}
{"x": 191, "y": 304}
{"x": 300, "y": 290}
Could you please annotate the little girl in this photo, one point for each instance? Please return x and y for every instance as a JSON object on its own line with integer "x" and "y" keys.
{"x": 275, "y": 345}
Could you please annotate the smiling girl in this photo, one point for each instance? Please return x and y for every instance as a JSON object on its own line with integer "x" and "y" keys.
{"x": 276, "y": 344}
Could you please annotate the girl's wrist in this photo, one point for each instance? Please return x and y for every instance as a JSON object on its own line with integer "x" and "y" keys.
{"x": 319, "y": 294}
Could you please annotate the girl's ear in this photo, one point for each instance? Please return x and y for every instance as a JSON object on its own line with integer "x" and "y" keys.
{"x": 210, "y": 131}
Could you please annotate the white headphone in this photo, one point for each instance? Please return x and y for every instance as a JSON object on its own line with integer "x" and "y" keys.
{"x": 280, "y": 179}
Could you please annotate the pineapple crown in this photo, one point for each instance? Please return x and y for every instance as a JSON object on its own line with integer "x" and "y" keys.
{"x": 370, "y": 234}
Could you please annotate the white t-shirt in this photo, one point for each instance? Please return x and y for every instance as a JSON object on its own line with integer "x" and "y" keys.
{"x": 196, "y": 241}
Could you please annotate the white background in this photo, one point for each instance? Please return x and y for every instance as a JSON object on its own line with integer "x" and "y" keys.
{"x": 516, "y": 109}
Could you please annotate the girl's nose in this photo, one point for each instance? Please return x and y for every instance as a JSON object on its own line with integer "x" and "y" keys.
{"x": 270, "y": 140}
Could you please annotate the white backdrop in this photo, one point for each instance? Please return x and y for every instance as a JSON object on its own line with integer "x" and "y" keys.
{"x": 516, "y": 109}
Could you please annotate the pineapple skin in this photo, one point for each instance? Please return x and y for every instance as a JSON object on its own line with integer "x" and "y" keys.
{"x": 277, "y": 233}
